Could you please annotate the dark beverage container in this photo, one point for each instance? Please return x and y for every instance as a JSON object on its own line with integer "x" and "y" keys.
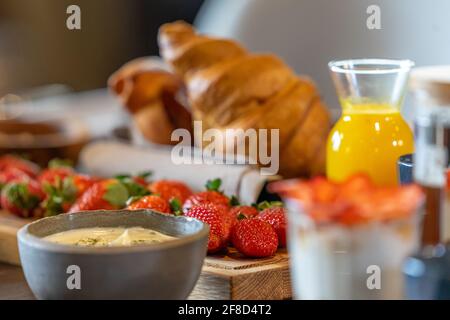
{"x": 431, "y": 90}
{"x": 430, "y": 165}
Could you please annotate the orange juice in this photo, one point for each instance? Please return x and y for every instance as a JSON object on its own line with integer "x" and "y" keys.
{"x": 368, "y": 138}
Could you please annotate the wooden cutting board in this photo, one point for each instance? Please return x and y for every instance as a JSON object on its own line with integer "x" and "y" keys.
{"x": 9, "y": 225}
{"x": 227, "y": 276}
{"x": 233, "y": 277}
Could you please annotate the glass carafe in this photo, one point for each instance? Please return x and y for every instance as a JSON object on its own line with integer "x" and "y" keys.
{"x": 371, "y": 134}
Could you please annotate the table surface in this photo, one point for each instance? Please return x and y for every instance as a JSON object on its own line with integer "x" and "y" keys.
{"x": 12, "y": 284}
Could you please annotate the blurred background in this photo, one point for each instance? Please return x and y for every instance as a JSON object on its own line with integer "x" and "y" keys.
{"x": 37, "y": 49}
{"x": 41, "y": 58}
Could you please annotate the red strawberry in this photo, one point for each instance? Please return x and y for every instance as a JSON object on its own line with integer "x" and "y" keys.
{"x": 216, "y": 218}
{"x": 53, "y": 175}
{"x": 276, "y": 217}
{"x": 9, "y": 161}
{"x": 82, "y": 182}
{"x": 150, "y": 202}
{"x": 243, "y": 211}
{"x": 56, "y": 172}
{"x": 254, "y": 238}
{"x": 239, "y": 212}
{"x": 170, "y": 189}
{"x": 212, "y": 195}
{"x": 61, "y": 194}
{"x": 11, "y": 174}
{"x": 22, "y": 198}
{"x": 107, "y": 194}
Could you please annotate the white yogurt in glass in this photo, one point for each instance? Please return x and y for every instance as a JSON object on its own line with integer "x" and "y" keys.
{"x": 333, "y": 261}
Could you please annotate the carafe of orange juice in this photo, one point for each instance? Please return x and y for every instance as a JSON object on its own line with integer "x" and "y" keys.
{"x": 371, "y": 134}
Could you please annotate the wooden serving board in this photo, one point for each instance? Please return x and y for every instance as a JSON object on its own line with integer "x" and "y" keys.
{"x": 227, "y": 276}
{"x": 9, "y": 225}
{"x": 234, "y": 277}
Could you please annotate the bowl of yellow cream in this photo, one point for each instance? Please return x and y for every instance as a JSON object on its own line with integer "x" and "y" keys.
{"x": 113, "y": 255}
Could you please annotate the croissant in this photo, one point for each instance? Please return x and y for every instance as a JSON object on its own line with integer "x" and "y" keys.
{"x": 228, "y": 87}
{"x": 149, "y": 94}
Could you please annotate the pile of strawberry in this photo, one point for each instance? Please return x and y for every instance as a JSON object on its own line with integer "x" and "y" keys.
{"x": 28, "y": 191}
{"x": 352, "y": 202}
{"x": 255, "y": 231}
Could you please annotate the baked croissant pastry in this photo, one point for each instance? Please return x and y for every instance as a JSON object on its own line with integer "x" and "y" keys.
{"x": 228, "y": 87}
{"x": 149, "y": 93}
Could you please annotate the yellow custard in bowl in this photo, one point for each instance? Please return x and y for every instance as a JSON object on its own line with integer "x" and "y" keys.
{"x": 108, "y": 237}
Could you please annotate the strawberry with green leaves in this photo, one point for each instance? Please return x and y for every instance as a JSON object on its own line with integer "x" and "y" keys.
{"x": 56, "y": 172}
{"x": 22, "y": 198}
{"x": 211, "y": 195}
{"x": 274, "y": 214}
{"x": 110, "y": 194}
{"x": 61, "y": 194}
{"x": 238, "y": 211}
{"x": 11, "y": 174}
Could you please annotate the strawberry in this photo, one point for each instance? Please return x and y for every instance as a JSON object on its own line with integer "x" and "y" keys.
{"x": 212, "y": 195}
{"x": 57, "y": 171}
{"x": 107, "y": 194}
{"x": 11, "y": 174}
{"x": 61, "y": 194}
{"x": 10, "y": 161}
{"x": 254, "y": 238}
{"x": 53, "y": 175}
{"x": 276, "y": 217}
{"x": 22, "y": 198}
{"x": 82, "y": 182}
{"x": 150, "y": 202}
{"x": 243, "y": 212}
{"x": 215, "y": 217}
{"x": 170, "y": 189}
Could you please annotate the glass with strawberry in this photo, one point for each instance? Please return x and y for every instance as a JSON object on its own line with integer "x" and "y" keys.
{"x": 348, "y": 240}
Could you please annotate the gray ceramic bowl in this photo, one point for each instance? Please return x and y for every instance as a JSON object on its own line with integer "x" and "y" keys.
{"x": 167, "y": 270}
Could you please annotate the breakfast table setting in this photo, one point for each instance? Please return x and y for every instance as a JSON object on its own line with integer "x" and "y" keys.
{"x": 212, "y": 172}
